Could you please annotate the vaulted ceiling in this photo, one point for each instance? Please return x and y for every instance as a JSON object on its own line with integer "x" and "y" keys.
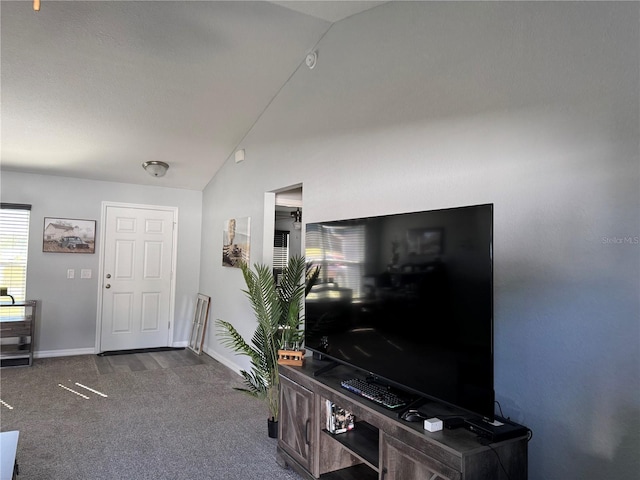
{"x": 92, "y": 89}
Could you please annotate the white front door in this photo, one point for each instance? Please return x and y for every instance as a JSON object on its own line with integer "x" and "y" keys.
{"x": 137, "y": 277}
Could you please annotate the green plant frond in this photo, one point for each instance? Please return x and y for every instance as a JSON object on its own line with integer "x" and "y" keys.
{"x": 261, "y": 344}
{"x": 263, "y": 390}
{"x": 278, "y": 313}
{"x": 264, "y": 343}
{"x": 291, "y": 286}
{"x": 293, "y": 316}
{"x": 262, "y": 293}
{"x": 230, "y": 338}
{"x": 255, "y": 384}
{"x": 265, "y": 339}
{"x": 292, "y": 332}
{"x": 291, "y": 295}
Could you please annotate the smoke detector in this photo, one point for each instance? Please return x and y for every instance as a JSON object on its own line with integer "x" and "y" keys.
{"x": 311, "y": 60}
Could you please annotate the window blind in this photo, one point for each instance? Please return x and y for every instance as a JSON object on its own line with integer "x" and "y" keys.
{"x": 280, "y": 250}
{"x": 14, "y": 245}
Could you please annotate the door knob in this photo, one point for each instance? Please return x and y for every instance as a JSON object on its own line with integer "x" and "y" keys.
{"x": 107, "y": 286}
{"x": 108, "y": 275}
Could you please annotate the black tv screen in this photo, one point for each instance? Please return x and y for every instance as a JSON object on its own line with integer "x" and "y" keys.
{"x": 408, "y": 299}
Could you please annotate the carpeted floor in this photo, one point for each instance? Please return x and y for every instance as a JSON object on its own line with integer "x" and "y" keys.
{"x": 167, "y": 415}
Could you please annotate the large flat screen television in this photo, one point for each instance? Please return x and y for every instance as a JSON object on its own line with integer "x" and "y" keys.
{"x": 408, "y": 299}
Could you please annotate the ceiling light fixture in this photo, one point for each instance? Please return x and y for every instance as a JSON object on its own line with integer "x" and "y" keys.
{"x": 36, "y": 5}
{"x": 297, "y": 219}
{"x": 155, "y": 168}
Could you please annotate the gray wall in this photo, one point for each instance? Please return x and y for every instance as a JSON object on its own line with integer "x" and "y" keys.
{"x": 67, "y": 321}
{"x": 532, "y": 106}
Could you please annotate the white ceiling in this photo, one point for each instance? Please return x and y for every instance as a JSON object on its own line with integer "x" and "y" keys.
{"x": 332, "y": 11}
{"x": 92, "y": 89}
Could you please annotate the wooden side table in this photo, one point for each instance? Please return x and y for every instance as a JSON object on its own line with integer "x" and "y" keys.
{"x": 17, "y": 322}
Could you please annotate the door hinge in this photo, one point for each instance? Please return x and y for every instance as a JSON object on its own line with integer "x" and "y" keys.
{"x": 169, "y": 328}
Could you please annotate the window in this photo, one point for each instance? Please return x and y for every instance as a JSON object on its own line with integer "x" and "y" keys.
{"x": 14, "y": 244}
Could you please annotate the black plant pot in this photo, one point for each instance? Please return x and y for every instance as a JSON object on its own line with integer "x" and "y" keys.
{"x": 272, "y": 427}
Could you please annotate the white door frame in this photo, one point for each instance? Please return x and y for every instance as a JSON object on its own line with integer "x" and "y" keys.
{"x": 269, "y": 226}
{"x": 271, "y": 199}
{"x": 101, "y": 249}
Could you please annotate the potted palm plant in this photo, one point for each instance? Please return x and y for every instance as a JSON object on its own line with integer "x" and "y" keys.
{"x": 277, "y": 309}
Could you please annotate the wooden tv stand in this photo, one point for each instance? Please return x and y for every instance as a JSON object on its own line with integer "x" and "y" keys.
{"x": 381, "y": 446}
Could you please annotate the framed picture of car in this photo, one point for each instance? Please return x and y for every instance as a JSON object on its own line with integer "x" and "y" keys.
{"x": 68, "y": 235}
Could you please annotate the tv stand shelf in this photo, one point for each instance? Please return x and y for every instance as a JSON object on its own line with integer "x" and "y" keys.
{"x": 363, "y": 442}
{"x": 381, "y": 446}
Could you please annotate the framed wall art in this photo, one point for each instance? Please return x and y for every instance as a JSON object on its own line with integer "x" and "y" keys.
{"x": 236, "y": 242}
{"x": 68, "y": 235}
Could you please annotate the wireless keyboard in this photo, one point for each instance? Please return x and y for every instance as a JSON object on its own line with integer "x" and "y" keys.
{"x": 374, "y": 392}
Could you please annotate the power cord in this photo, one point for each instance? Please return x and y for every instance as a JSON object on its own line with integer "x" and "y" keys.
{"x": 500, "y": 462}
{"x": 529, "y": 431}
{"x": 487, "y": 442}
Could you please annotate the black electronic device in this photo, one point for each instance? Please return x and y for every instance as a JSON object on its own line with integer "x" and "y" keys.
{"x": 375, "y": 392}
{"x": 412, "y": 415}
{"x": 454, "y": 422}
{"x": 496, "y": 431}
{"x": 408, "y": 299}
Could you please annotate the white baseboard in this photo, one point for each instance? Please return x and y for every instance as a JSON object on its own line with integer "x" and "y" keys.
{"x": 225, "y": 361}
{"x": 63, "y": 353}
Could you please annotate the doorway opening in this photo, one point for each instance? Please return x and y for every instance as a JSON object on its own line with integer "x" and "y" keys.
{"x": 285, "y": 226}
